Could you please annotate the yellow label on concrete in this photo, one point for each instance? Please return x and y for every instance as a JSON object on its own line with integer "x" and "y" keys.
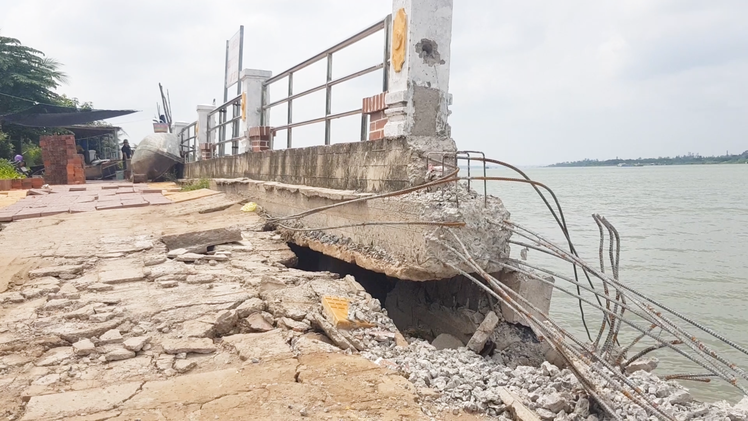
{"x": 336, "y": 310}
{"x": 399, "y": 35}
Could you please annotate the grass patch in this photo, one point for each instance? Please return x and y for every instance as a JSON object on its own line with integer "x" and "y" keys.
{"x": 8, "y": 171}
{"x": 203, "y": 183}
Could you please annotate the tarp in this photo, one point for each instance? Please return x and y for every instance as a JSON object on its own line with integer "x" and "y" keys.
{"x": 42, "y": 115}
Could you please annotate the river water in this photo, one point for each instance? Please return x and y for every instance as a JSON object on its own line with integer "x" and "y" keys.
{"x": 684, "y": 242}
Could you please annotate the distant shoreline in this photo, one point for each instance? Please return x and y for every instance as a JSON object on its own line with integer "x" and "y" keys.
{"x": 650, "y": 162}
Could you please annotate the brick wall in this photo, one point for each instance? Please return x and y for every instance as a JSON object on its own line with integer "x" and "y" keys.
{"x": 62, "y": 164}
{"x": 374, "y": 107}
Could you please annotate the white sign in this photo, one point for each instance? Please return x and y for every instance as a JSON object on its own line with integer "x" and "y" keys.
{"x": 232, "y": 59}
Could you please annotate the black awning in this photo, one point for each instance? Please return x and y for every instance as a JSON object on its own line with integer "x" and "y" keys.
{"x": 42, "y": 115}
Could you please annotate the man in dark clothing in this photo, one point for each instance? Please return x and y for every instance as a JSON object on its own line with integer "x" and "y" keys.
{"x": 126, "y": 153}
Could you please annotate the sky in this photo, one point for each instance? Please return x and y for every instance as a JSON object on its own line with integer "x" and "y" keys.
{"x": 534, "y": 82}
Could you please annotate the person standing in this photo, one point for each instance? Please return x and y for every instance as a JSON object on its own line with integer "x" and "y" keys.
{"x": 126, "y": 154}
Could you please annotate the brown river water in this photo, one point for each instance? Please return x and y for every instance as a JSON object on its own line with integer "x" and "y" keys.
{"x": 684, "y": 242}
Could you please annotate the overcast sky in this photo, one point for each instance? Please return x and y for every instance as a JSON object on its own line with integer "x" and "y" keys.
{"x": 534, "y": 82}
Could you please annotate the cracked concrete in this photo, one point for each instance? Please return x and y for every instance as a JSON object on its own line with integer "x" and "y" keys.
{"x": 290, "y": 372}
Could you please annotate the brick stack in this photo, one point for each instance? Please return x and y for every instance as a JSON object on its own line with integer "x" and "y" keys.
{"x": 374, "y": 107}
{"x": 206, "y": 151}
{"x": 62, "y": 164}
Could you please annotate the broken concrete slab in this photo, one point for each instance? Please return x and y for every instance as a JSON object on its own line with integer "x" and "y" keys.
{"x": 56, "y": 271}
{"x": 253, "y": 305}
{"x": 99, "y": 287}
{"x": 199, "y": 241}
{"x": 89, "y": 401}
{"x": 55, "y": 356}
{"x": 111, "y": 336}
{"x": 272, "y": 345}
{"x": 84, "y": 347}
{"x": 121, "y": 276}
{"x": 256, "y": 323}
{"x": 119, "y": 354}
{"x": 484, "y": 331}
{"x": 204, "y": 278}
{"x": 184, "y": 366}
{"x": 136, "y": 343}
{"x": 190, "y": 257}
{"x": 197, "y": 329}
{"x": 191, "y": 345}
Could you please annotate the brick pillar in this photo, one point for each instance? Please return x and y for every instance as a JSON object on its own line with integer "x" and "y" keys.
{"x": 62, "y": 164}
{"x": 374, "y": 107}
{"x": 206, "y": 151}
{"x": 261, "y": 138}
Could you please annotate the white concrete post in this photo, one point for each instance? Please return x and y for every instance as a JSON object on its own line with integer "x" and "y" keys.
{"x": 252, "y": 80}
{"x": 418, "y": 97}
{"x": 202, "y": 123}
{"x": 178, "y": 126}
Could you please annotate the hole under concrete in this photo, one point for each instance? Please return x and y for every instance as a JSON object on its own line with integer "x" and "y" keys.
{"x": 428, "y": 309}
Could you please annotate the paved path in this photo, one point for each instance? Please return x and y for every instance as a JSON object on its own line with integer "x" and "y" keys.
{"x": 82, "y": 198}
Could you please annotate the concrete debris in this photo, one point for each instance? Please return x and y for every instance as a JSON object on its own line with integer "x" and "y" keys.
{"x": 190, "y": 257}
{"x": 204, "y": 278}
{"x": 184, "y": 366}
{"x": 191, "y": 345}
{"x": 136, "y": 343}
{"x": 56, "y": 271}
{"x": 84, "y": 347}
{"x": 153, "y": 261}
{"x": 110, "y": 337}
{"x": 646, "y": 364}
{"x": 446, "y": 341}
{"x": 174, "y": 253}
{"x": 257, "y": 323}
{"x": 55, "y": 356}
{"x": 486, "y": 328}
{"x": 119, "y": 354}
{"x": 253, "y": 305}
{"x": 197, "y": 329}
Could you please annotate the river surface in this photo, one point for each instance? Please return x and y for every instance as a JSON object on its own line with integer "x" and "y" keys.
{"x": 684, "y": 241}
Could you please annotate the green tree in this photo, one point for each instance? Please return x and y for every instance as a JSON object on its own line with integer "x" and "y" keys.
{"x": 27, "y": 77}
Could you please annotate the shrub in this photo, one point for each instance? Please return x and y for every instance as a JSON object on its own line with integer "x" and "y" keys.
{"x": 203, "y": 183}
{"x": 8, "y": 171}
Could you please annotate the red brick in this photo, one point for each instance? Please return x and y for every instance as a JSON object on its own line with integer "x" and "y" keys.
{"x": 374, "y": 103}
{"x": 379, "y": 134}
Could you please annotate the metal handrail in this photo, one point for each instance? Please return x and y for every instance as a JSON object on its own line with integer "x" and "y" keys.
{"x": 223, "y": 122}
{"x": 187, "y": 143}
{"x": 384, "y": 24}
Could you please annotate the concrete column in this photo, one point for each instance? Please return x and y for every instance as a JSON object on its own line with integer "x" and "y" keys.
{"x": 252, "y": 80}
{"x": 178, "y": 126}
{"x": 418, "y": 97}
{"x": 202, "y": 123}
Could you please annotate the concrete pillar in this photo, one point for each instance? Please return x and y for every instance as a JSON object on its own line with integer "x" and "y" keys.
{"x": 418, "y": 97}
{"x": 178, "y": 126}
{"x": 252, "y": 80}
{"x": 202, "y": 129}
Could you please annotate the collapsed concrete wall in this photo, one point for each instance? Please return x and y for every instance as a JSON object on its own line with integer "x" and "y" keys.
{"x": 373, "y": 166}
{"x": 401, "y": 251}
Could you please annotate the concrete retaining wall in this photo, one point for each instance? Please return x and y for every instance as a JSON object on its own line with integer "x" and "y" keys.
{"x": 372, "y": 166}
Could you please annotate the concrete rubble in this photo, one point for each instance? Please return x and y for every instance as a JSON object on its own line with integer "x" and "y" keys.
{"x": 143, "y": 334}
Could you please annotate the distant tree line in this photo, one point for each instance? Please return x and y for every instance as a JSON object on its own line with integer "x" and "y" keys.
{"x": 688, "y": 159}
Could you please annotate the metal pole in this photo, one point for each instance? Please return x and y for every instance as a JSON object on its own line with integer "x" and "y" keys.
{"x": 328, "y": 106}
{"x": 289, "y": 136}
{"x": 241, "y": 57}
{"x": 264, "y": 103}
{"x": 387, "y": 52}
{"x": 364, "y": 128}
{"x": 226, "y": 74}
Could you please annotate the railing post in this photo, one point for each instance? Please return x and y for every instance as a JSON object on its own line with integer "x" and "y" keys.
{"x": 289, "y": 135}
{"x": 418, "y": 88}
{"x": 201, "y": 130}
{"x": 387, "y": 53}
{"x": 328, "y": 96}
{"x": 255, "y": 98}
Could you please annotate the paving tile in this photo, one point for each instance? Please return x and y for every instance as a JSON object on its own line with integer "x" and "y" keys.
{"x": 157, "y": 199}
{"x": 78, "y": 188}
{"x": 134, "y": 204}
{"x": 27, "y": 213}
{"x": 7, "y": 215}
{"x": 83, "y": 207}
{"x": 49, "y": 211}
{"x": 109, "y": 205}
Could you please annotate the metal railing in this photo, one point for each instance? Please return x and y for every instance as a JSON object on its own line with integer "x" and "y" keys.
{"x": 188, "y": 142}
{"x": 219, "y": 142}
{"x": 385, "y": 24}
